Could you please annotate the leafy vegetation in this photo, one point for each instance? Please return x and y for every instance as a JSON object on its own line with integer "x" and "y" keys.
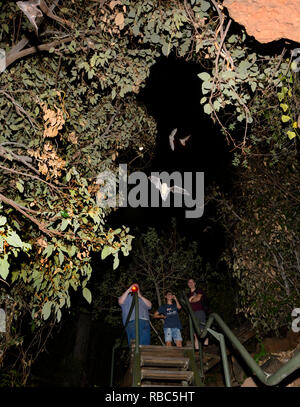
{"x": 262, "y": 223}
{"x": 159, "y": 262}
{"x": 162, "y": 261}
{"x": 68, "y": 111}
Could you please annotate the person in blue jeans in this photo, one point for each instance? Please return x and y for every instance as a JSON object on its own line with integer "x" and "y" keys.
{"x": 144, "y": 323}
{"x": 172, "y": 324}
{"x": 196, "y": 300}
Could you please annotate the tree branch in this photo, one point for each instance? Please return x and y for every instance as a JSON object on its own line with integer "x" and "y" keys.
{"x": 24, "y": 41}
{"x": 43, "y": 228}
{"x": 11, "y": 58}
{"x": 18, "y": 108}
{"x": 49, "y": 13}
{"x": 23, "y": 159}
{"x": 31, "y": 176}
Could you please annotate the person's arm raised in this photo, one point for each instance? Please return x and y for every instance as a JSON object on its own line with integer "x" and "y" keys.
{"x": 147, "y": 302}
{"x": 177, "y": 303}
{"x": 123, "y": 297}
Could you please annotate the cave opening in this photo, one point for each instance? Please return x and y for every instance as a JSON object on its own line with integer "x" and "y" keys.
{"x": 172, "y": 97}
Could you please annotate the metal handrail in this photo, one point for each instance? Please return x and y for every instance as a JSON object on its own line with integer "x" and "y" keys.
{"x": 136, "y": 368}
{"x": 270, "y": 380}
{"x": 118, "y": 343}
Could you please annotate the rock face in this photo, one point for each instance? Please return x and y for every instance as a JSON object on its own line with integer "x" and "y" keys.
{"x": 267, "y": 20}
{"x": 279, "y": 351}
{"x": 291, "y": 340}
{"x": 249, "y": 382}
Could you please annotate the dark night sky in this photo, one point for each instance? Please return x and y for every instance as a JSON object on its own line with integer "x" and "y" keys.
{"x": 172, "y": 96}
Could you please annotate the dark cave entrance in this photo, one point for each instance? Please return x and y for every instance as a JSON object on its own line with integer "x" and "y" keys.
{"x": 172, "y": 96}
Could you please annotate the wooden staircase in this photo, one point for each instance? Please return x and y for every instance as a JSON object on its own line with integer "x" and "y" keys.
{"x": 171, "y": 366}
{"x": 166, "y": 366}
{"x": 211, "y": 353}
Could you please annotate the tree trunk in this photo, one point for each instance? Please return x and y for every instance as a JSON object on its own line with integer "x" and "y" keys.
{"x": 157, "y": 293}
{"x": 80, "y": 351}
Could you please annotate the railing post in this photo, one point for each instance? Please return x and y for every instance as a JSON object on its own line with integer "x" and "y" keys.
{"x": 137, "y": 333}
{"x": 192, "y": 332}
{"x": 225, "y": 361}
{"x": 269, "y": 380}
{"x": 136, "y": 358}
{"x": 220, "y": 338}
{"x": 201, "y": 368}
{"x": 118, "y": 345}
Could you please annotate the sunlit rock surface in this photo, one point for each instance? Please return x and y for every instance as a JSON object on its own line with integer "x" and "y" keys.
{"x": 267, "y": 20}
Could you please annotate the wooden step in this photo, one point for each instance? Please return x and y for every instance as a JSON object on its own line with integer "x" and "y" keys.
{"x": 164, "y": 348}
{"x": 163, "y": 355}
{"x": 154, "y": 384}
{"x": 154, "y": 360}
{"x": 210, "y": 362}
{"x": 162, "y": 374}
{"x": 163, "y": 351}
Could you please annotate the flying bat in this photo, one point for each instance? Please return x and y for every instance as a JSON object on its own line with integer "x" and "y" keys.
{"x": 31, "y": 11}
{"x": 171, "y": 139}
{"x": 164, "y": 189}
{"x": 184, "y": 140}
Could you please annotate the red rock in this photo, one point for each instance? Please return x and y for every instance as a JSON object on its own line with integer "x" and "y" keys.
{"x": 291, "y": 340}
{"x": 268, "y": 20}
{"x": 295, "y": 383}
{"x": 273, "y": 345}
{"x": 293, "y": 337}
{"x": 249, "y": 383}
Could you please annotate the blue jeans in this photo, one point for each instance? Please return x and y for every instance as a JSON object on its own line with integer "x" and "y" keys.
{"x": 172, "y": 333}
{"x": 144, "y": 331}
{"x": 201, "y": 317}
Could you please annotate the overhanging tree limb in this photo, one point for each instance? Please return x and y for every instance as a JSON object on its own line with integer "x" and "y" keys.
{"x": 7, "y": 154}
{"x": 43, "y": 228}
{"x": 18, "y": 107}
{"x": 11, "y": 58}
{"x": 24, "y": 174}
{"x": 30, "y": 9}
{"x": 24, "y": 41}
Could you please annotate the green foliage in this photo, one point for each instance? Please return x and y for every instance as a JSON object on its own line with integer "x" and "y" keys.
{"x": 10, "y": 378}
{"x": 240, "y": 85}
{"x": 68, "y": 111}
{"x": 58, "y": 134}
{"x": 261, "y": 354}
{"x": 287, "y": 97}
{"x": 162, "y": 261}
{"x": 10, "y": 245}
{"x": 262, "y": 223}
{"x": 61, "y": 259}
{"x": 158, "y": 262}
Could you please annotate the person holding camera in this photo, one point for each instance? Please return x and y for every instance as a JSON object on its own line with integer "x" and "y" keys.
{"x": 172, "y": 324}
{"x": 125, "y": 301}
